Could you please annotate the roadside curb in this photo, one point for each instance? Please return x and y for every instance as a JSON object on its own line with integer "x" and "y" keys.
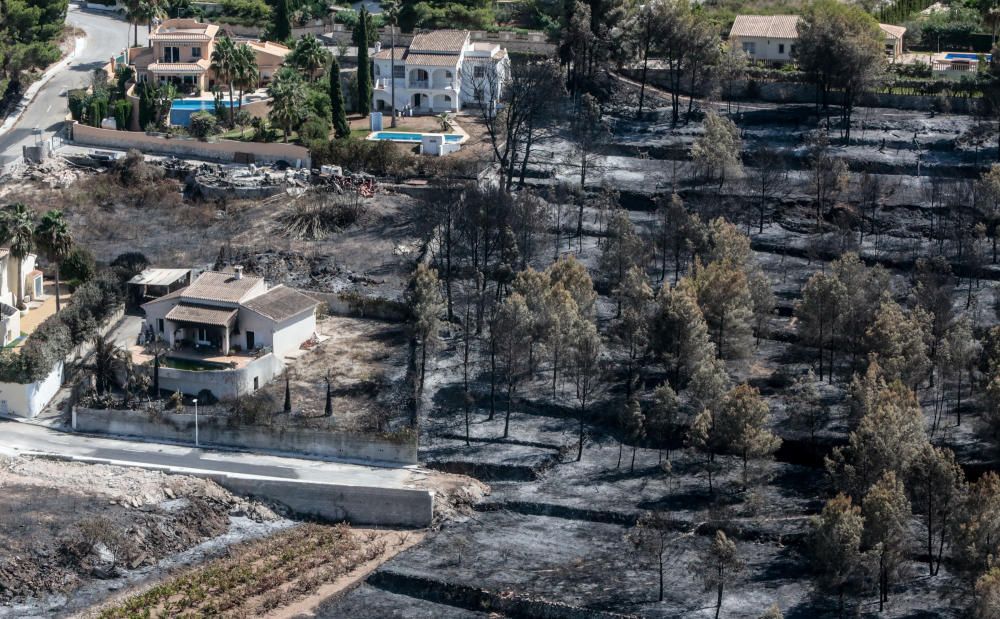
{"x": 29, "y": 95}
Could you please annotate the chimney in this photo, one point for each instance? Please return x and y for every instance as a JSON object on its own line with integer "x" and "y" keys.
{"x": 378, "y": 46}
{"x": 238, "y": 272}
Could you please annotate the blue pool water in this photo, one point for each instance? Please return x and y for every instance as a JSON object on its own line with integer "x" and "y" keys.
{"x": 181, "y": 109}
{"x": 396, "y": 136}
{"x": 961, "y": 56}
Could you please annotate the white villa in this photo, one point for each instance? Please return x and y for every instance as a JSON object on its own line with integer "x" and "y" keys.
{"x": 10, "y": 270}
{"x": 227, "y": 332}
{"x": 440, "y": 71}
{"x": 772, "y": 38}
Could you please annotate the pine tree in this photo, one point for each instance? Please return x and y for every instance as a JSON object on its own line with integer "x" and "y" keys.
{"x": 586, "y": 353}
{"x": 807, "y": 412}
{"x": 651, "y": 536}
{"x": 426, "y": 305}
{"x": 819, "y": 313}
{"x": 835, "y": 547}
{"x": 631, "y": 424}
{"x": 724, "y": 297}
{"x": 341, "y": 128}
{"x": 887, "y": 513}
{"x": 661, "y": 418}
{"x": 900, "y": 341}
{"x": 364, "y": 64}
{"x": 718, "y": 566}
{"x": 936, "y": 484}
{"x": 679, "y": 333}
{"x": 742, "y": 426}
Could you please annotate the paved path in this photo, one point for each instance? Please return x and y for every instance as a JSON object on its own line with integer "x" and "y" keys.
{"x": 24, "y": 439}
{"x": 106, "y": 35}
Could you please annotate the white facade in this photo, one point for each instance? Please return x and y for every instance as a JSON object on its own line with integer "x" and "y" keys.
{"x": 439, "y": 72}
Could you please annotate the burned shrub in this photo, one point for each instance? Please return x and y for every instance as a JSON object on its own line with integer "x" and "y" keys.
{"x": 325, "y": 214}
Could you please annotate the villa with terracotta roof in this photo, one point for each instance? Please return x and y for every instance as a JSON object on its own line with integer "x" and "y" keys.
{"x": 226, "y": 321}
{"x": 772, "y": 38}
{"x": 180, "y": 51}
{"x": 440, "y": 71}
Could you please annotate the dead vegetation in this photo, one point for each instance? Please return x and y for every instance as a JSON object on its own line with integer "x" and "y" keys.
{"x": 259, "y": 578}
{"x": 315, "y": 216}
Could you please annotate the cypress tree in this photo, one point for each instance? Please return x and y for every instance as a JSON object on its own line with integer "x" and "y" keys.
{"x": 341, "y": 128}
{"x": 281, "y": 29}
{"x": 288, "y": 394}
{"x": 364, "y": 65}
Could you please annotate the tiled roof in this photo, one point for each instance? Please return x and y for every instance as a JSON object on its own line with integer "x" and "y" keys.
{"x": 269, "y": 47}
{"x": 766, "y": 26}
{"x": 894, "y": 32}
{"x": 386, "y": 53}
{"x": 440, "y": 41}
{"x": 433, "y": 60}
{"x": 280, "y": 303}
{"x": 180, "y": 67}
{"x": 183, "y": 29}
{"x": 216, "y": 286}
{"x": 201, "y": 314}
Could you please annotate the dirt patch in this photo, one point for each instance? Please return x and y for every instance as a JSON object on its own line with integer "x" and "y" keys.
{"x": 68, "y": 523}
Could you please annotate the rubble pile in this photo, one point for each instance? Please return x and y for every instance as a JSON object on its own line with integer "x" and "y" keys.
{"x": 364, "y": 185}
{"x": 295, "y": 269}
{"x": 55, "y": 172}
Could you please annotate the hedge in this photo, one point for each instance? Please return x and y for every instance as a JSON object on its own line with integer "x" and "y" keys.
{"x": 89, "y": 307}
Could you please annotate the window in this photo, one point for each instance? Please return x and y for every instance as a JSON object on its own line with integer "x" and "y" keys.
{"x": 196, "y": 52}
{"x": 171, "y": 54}
{"x": 749, "y": 47}
{"x": 256, "y": 383}
{"x": 159, "y": 325}
{"x": 791, "y": 50}
{"x": 479, "y": 71}
{"x": 399, "y": 71}
{"x": 378, "y": 71}
{"x": 781, "y": 48}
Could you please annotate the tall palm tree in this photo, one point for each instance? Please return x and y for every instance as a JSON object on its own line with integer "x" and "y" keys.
{"x": 390, "y": 8}
{"x": 224, "y": 66}
{"x": 309, "y": 56}
{"x": 150, "y": 10}
{"x": 287, "y": 99}
{"x": 133, "y": 11}
{"x": 17, "y": 232}
{"x": 54, "y": 239}
{"x": 247, "y": 74}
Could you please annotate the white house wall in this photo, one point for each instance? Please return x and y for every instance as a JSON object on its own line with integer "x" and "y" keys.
{"x": 263, "y": 329}
{"x": 290, "y": 335}
{"x": 767, "y": 49}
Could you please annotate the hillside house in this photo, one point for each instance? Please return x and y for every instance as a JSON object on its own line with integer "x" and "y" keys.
{"x": 180, "y": 51}
{"x": 772, "y": 38}
{"x": 440, "y": 71}
{"x": 32, "y": 290}
{"x": 232, "y": 313}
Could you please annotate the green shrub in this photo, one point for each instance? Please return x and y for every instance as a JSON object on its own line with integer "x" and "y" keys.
{"x": 123, "y": 113}
{"x": 129, "y": 264}
{"x": 247, "y": 12}
{"x": 317, "y": 128}
{"x": 79, "y": 265}
{"x": 203, "y": 124}
{"x": 77, "y": 102}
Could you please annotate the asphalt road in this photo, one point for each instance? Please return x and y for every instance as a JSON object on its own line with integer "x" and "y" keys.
{"x": 106, "y": 35}
{"x": 25, "y": 439}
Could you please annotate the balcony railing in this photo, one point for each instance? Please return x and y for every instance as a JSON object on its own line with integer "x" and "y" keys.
{"x": 419, "y": 84}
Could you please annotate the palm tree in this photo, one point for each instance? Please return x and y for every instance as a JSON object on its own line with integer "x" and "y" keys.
{"x": 224, "y": 65}
{"x": 390, "y": 8}
{"x": 134, "y": 12}
{"x": 150, "y": 10}
{"x": 54, "y": 239}
{"x": 309, "y": 56}
{"x": 287, "y": 99}
{"x": 247, "y": 75}
{"x": 106, "y": 361}
{"x": 17, "y": 231}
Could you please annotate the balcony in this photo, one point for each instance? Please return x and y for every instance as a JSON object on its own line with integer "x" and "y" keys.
{"x": 419, "y": 84}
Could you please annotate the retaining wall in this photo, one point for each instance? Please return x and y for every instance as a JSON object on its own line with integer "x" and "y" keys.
{"x": 223, "y": 150}
{"x": 399, "y": 507}
{"x": 213, "y": 430}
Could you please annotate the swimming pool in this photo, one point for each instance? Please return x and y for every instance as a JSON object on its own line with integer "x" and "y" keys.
{"x": 401, "y": 136}
{"x": 964, "y": 56}
{"x": 181, "y": 109}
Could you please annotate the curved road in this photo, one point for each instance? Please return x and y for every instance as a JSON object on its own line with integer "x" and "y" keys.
{"x": 106, "y": 35}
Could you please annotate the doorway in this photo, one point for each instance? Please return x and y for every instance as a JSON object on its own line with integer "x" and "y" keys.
{"x": 250, "y": 340}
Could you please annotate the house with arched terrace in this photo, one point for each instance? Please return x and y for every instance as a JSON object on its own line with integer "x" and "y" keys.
{"x": 440, "y": 71}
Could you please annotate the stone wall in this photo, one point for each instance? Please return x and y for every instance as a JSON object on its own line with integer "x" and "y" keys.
{"x": 228, "y": 151}
{"x": 214, "y": 430}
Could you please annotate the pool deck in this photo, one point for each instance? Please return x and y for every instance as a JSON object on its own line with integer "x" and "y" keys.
{"x": 456, "y": 130}
{"x": 140, "y": 357}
